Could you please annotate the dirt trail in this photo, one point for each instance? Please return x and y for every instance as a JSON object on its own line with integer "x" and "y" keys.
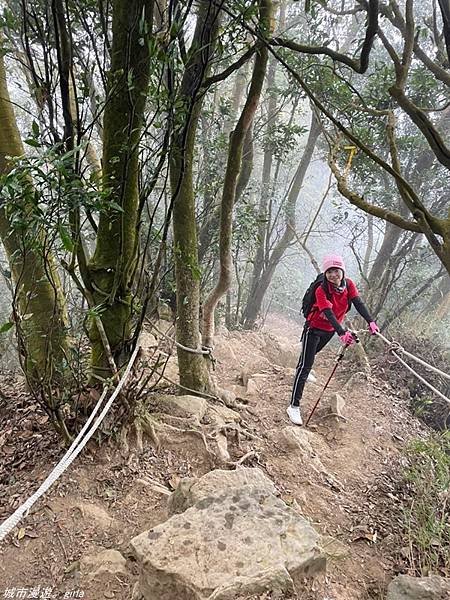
{"x": 339, "y": 482}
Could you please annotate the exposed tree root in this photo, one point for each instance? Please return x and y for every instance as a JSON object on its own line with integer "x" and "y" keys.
{"x": 156, "y": 486}
{"x": 164, "y": 430}
{"x": 238, "y": 430}
{"x": 243, "y": 459}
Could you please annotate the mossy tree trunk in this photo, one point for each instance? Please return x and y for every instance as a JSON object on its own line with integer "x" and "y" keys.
{"x": 112, "y": 265}
{"x": 267, "y": 187}
{"x": 194, "y": 372}
{"x": 234, "y": 165}
{"x": 39, "y": 307}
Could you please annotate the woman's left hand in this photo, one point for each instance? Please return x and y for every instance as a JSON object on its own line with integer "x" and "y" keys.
{"x": 373, "y": 328}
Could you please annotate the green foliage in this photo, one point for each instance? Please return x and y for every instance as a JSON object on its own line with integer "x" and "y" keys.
{"x": 427, "y": 515}
{"x": 282, "y": 139}
{"x": 425, "y": 90}
{"x": 421, "y": 405}
{"x": 40, "y": 191}
{"x": 10, "y": 20}
{"x": 245, "y": 226}
{"x": 6, "y": 327}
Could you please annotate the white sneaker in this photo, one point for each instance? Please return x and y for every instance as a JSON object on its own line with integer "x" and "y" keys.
{"x": 311, "y": 378}
{"x": 294, "y": 415}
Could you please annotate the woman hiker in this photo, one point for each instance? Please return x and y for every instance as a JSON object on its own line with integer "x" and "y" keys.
{"x": 331, "y": 299}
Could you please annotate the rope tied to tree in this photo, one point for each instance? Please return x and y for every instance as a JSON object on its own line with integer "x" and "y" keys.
{"x": 204, "y": 350}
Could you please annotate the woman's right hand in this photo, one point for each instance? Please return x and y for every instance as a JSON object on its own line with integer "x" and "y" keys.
{"x": 347, "y": 339}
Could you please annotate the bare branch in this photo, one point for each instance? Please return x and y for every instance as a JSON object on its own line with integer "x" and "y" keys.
{"x": 371, "y": 209}
{"x": 441, "y": 151}
{"x": 359, "y": 65}
{"x": 209, "y": 81}
{"x": 396, "y": 18}
{"x": 409, "y": 43}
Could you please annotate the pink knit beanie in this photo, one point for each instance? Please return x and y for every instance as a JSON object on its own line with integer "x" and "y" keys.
{"x": 333, "y": 260}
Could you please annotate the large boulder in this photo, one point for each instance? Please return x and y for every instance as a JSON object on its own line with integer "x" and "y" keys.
{"x": 243, "y": 541}
{"x": 405, "y": 587}
{"x": 190, "y": 491}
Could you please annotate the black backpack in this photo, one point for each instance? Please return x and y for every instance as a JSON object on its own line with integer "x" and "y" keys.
{"x": 310, "y": 294}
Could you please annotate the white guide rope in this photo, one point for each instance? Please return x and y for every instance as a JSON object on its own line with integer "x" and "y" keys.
{"x": 77, "y": 446}
{"x": 394, "y": 347}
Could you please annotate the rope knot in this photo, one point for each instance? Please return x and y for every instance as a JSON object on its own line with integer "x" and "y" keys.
{"x": 208, "y": 351}
{"x": 394, "y": 347}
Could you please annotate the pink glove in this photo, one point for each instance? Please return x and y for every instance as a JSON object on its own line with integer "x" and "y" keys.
{"x": 373, "y": 328}
{"x": 347, "y": 339}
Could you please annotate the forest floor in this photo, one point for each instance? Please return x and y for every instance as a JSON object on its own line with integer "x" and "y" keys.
{"x": 102, "y": 501}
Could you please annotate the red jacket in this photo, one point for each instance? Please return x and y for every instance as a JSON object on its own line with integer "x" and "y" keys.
{"x": 339, "y": 304}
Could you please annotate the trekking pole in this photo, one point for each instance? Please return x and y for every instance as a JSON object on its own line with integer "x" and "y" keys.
{"x": 340, "y": 356}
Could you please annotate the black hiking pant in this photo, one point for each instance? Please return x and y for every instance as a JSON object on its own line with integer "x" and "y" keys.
{"x": 313, "y": 340}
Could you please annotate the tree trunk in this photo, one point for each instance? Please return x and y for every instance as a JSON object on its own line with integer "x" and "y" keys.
{"x": 194, "y": 373}
{"x": 234, "y": 166}
{"x": 40, "y": 313}
{"x": 266, "y": 190}
{"x": 112, "y": 265}
{"x": 369, "y": 247}
{"x": 212, "y": 219}
{"x": 391, "y": 237}
{"x": 259, "y": 285}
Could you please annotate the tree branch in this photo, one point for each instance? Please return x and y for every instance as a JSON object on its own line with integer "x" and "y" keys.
{"x": 209, "y": 81}
{"x": 437, "y": 223}
{"x": 420, "y": 119}
{"x": 396, "y": 18}
{"x": 421, "y": 214}
{"x": 359, "y": 65}
{"x": 371, "y": 209}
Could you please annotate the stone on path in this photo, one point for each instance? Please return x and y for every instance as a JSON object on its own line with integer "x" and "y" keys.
{"x": 405, "y": 587}
{"x": 337, "y": 404}
{"x": 109, "y": 562}
{"x": 237, "y": 539}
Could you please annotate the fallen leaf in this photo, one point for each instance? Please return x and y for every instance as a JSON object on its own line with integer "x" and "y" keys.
{"x": 174, "y": 481}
